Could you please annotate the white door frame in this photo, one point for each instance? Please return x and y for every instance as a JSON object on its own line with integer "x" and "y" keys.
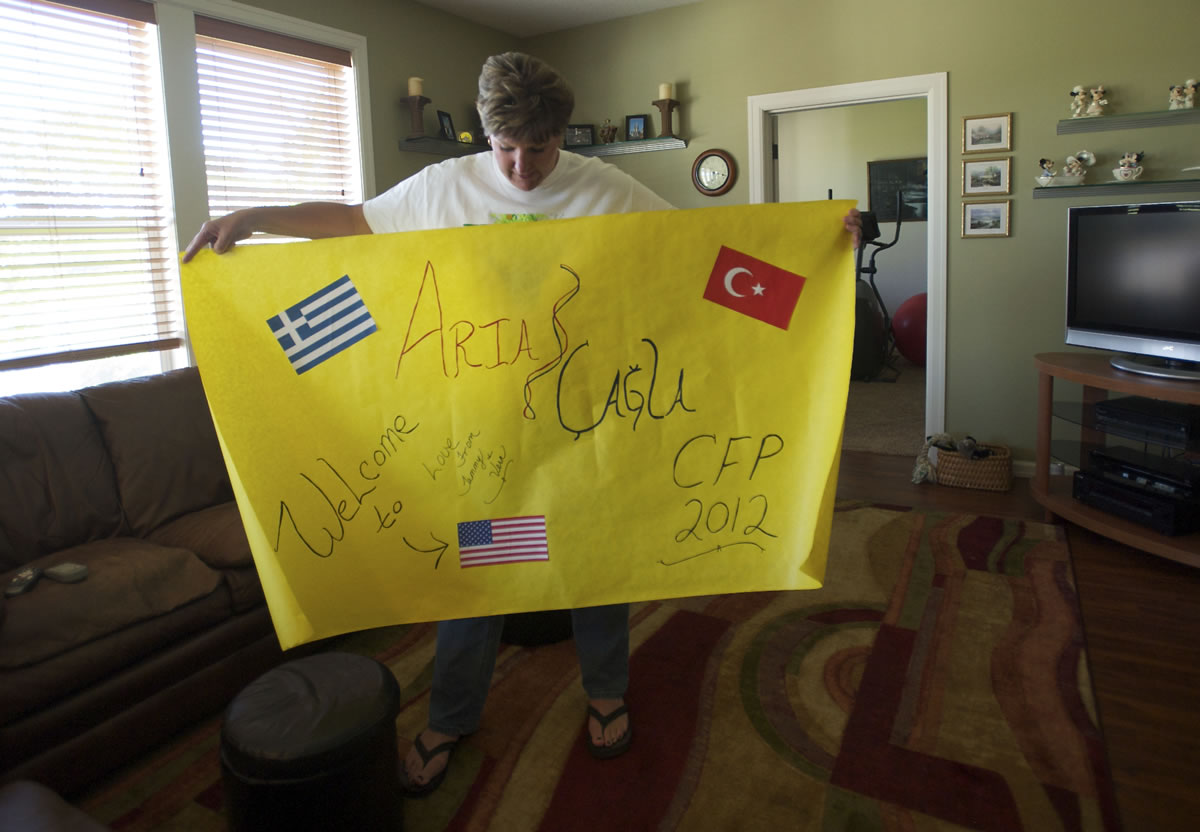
{"x": 763, "y": 108}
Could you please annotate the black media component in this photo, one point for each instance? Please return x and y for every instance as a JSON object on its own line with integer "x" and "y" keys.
{"x": 1164, "y": 514}
{"x": 1155, "y": 474}
{"x": 1149, "y": 420}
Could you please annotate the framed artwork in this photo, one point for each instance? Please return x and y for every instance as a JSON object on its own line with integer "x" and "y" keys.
{"x": 446, "y": 126}
{"x": 985, "y": 219}
{"x": 578, "y": 134}
{"x": 636, "y": 128}
{"x": 986, "y": 176}
{"x": 987, "y": 134}
{"x": 907, "y": 177}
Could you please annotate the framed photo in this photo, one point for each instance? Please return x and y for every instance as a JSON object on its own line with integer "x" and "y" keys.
{"x": 986, "y": 176}
{"x": 987, "y": 134}
{"x": 637, "y": 127}
{"x": 578, "y": 134}
{"x": 907, "y": 177}
{"x": 985, "y": 219}
{"x": 446, "y": 128}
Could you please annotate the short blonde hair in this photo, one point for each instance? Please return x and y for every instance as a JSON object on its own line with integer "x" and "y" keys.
{"x": 523, "y": 98}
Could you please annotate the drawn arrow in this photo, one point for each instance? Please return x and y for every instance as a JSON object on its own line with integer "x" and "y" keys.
{"x": 720, "y": 547}
{"x": 441, "y": 550}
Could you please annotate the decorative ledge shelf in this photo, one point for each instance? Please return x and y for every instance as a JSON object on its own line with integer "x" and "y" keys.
{"x": 440, "y": 147}
{"x": 1117, "y": 188}
{"x": 636, "y": 146}
{"x": 1128, "y": 121}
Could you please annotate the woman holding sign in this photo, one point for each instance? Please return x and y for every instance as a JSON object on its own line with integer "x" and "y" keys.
{"x": 525, "y": 106}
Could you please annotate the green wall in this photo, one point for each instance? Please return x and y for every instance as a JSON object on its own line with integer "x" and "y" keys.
{"x": 407, "y": 39}
{"x": 1004, "y": 296}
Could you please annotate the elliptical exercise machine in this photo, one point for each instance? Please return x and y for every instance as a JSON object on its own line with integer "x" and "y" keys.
{"x": 874, "y": 342}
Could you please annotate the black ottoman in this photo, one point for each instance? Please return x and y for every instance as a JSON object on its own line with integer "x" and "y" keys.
{"x": 312, "y": 745}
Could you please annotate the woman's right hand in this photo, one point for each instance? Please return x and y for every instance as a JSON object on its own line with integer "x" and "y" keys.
{"x": 220, "y": 233}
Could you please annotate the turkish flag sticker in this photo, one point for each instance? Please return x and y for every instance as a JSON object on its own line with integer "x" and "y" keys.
{"x": 753, "y": 287}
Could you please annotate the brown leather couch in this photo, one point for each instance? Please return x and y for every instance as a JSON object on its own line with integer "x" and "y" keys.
{"x": 127, "y": 479}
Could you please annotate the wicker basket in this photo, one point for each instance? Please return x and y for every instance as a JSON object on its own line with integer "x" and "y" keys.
{"x": 992, "y": 473}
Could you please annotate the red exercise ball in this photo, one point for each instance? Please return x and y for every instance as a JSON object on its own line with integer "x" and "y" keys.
{"x": 908, "y": 328}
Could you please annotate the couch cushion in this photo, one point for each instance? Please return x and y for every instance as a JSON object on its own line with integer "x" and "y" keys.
{"x": 215, "y": 534}
{"x": 163, "y": 445}
{"x": 57, "y": 486}
{"x": 129, "y": 580}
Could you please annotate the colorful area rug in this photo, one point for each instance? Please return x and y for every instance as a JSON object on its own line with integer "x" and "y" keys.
{"x": 937, "y": 682}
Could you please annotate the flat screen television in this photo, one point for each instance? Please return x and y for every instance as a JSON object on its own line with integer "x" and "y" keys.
{"x": 1133, "y": 285}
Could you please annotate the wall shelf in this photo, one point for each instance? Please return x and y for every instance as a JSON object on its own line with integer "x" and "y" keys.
{"x": 1117, "y": 188}
{"x": 636, "y": 146}
{"x": 440, "y": 147}
{"x": 1128, "y": 121}
{"x": 445, "y": 147}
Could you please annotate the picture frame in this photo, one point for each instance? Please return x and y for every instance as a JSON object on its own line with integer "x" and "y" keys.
{"x": 637, "y": 127}
{"x": 987, "y": 134}
{"x": 579, "y": 134}
{"x": 987, "y": 176}
{"x": 908, "y": 177}
{"x": 986, "y": 219}
{"x": 446, "y": 126}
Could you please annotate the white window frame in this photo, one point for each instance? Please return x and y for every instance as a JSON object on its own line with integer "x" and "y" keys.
{"x": 175, "y": 24}
{"x": 177, "y": 41}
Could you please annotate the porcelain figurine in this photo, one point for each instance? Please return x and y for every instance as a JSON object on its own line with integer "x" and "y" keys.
{"x": 1076, "y": 168}
{"x": 1176, "y": 97}
{"x": 1096, "y": 102}
{"x": 1078, "y": 101}
{"x": 1046, "y": 177}
{"x": 1129, "y": 167}
{"x": 1189, "y": 93}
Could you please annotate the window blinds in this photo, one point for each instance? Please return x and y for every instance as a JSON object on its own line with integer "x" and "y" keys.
{"x": 87, "y": 263}
{"x": 279, "y": 119}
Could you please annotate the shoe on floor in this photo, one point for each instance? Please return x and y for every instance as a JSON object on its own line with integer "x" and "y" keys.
{"x": 607, "y": 752}
{"x": 410, "y": 788}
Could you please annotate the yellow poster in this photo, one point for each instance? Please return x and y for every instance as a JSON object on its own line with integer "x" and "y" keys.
{"x": 528, "y": 416}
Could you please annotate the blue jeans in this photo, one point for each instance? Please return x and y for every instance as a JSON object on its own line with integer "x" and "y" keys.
{"x": 466, "y": 657}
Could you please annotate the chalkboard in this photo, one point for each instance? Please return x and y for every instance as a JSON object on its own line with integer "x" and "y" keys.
{"x": 908, "y": 176}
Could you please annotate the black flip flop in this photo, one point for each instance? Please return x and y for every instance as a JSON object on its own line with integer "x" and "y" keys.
{"x": 410, "y": 789}
{"x": 607, "y": 752}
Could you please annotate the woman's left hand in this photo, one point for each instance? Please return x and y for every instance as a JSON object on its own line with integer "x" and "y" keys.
{"x": 853, "y": 223}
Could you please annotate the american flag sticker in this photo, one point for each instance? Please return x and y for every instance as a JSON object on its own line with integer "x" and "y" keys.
{"x": 506, "y": 540}
{"x": 322, "y": 325}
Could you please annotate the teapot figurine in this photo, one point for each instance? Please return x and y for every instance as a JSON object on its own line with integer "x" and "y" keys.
{"x": 1129, "y": 167}
{"x": 1076, "y": 168}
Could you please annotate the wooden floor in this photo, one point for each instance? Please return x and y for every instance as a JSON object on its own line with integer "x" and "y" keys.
{"x": 1141, "y": 616}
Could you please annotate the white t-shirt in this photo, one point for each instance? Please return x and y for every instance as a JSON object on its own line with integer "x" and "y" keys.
{"x": 471, "y": 190}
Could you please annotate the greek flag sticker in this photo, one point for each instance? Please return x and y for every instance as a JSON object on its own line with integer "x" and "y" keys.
{"x": 322, "y": 325}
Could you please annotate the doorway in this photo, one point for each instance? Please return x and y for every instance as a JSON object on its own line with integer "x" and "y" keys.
{"x": 764, "y": 112}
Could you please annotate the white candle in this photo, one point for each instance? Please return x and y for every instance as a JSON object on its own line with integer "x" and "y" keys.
{"x": 415, "y": 86}
{"x": 665, "y": 92}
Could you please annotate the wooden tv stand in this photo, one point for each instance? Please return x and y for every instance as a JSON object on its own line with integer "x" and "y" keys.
{"x": 1099, "y": 378}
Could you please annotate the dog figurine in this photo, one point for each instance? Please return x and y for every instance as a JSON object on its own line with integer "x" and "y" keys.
{"x": 1177, "y": 97}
